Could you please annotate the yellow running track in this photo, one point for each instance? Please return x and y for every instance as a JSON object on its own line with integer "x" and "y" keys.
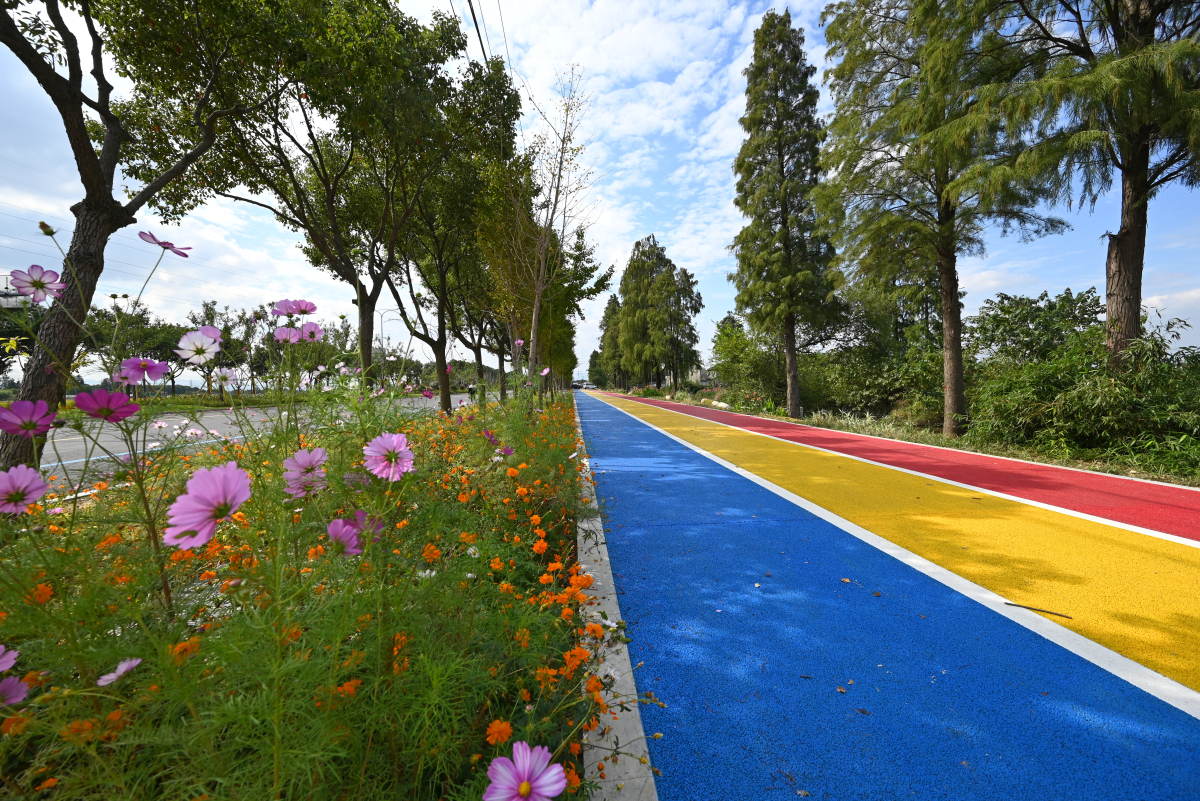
{"x": 1135, "y": 594}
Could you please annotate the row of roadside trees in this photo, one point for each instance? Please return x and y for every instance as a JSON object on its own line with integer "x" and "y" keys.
{"x": 951, "y": 118}
{"x": 364, "y": 131}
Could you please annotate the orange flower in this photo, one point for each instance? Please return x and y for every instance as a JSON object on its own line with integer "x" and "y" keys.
{"x": 15, "y": 725}
{"x": 546, "y": 677}
{"x": 554, "y": 566}
{"x": 525, "y": 696}
{"x": 469, "y": 539}
{"x": 316, "y": 551}
{"x": 572, "y": 776}
{"x": 46, "y": 785}
{"x": 540, "y": 547}
{"x": 522, "y": 491}
{"x": 594, "y": 685}
{"x": 595, "y": 630}
{"x": 575, "y": 749}
{"x": 513, "y": 472}
{"x": 78, "y": 731}
{"x": 186, "y": 649}
{"x": 498, "y": 731}
{"x": 431, "y": 553}
{"x": 496, "y": 563}
{"x": 463, "y": 497}
{"x": 568, "y": 613}
{"x": 545, "y": 578}
{"x": 522, "y": 637}
{"x": 536, "y": 520}
{"x": 506, "y": 587}
{"x": 207, "y": 575}
{"x": 576, "y": 657}
{"x": 41, "y": 593}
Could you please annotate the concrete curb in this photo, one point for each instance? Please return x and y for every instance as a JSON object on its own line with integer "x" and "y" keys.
{"x": 627, "y": 778}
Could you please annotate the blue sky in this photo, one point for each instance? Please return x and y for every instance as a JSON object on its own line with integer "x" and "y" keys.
{"x": 667, "y": 90}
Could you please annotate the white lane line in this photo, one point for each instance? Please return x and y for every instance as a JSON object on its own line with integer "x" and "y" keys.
{"x": 1168, "y": 690}
{"x": 1149, "y": 532}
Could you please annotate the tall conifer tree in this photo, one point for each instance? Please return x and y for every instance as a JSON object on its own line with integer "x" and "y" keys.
{"x": 782, "y": 277}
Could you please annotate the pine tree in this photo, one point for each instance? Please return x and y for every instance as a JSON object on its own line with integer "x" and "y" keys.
{"x": 782, "y": 277}
{"x": 1099, "y": 90}
{"x": 676, "y": 302}
{"x": 610, "y": 343}
{"x": 890, "y": 197}
{"x": 640, "y": 358}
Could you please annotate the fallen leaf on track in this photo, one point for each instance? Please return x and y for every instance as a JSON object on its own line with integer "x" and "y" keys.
{"x": 876, "y": 593}
{"x": 865, "y": 712}
{"x": 845, "y": 581}
{"x": 841, "y": 689}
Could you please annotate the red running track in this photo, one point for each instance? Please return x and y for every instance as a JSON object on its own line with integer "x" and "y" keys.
{"x": 1160, "y": 507}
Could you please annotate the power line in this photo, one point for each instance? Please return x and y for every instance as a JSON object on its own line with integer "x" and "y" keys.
{"x": 471, "y": 5}
{"x": 485, "y": 30}
{"x": 504, "y": 33}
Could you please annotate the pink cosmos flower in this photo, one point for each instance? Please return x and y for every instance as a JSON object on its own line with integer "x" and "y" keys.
{"x": 344, "y": 536}
{"x": 305, "y": 462}
{"x": 284, "y": 307}
{"x": 305, "y": 486}
{"x": 212, "y": 332}
{"x": 123, "y": 667}
{"x": 362, "y": 523}
{"x": 225, "y": 375}
{"x": 38, "y": 282}
{"x": 213, "y": 494}
{"x": 547, "y": 370}
{"x": 12, "y": 691}
{"x": 20, "y": 486}
{"x": 196, "y": 348}
{"x": 146, "y": 236}
{"x": 311, "y": 332}
{"x": 287, "y": 334}
{"x": 520, "y": 342}
{"x": 447, "y": 369}
{"x": 26, "y": 418}
{"x": 134, "y": 370}
{"x": 7, "y": 658}
{"x": 528, "y": 776}
{"x": 303, "y": 307}
{"x": 388, "y": 456}
{"x": 426, "y": 393}
{"x": 104, "y": 405}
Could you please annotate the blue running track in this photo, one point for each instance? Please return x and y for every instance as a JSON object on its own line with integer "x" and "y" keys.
{"x": 943, "y": 697}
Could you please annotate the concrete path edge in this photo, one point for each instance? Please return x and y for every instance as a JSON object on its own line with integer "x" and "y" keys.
{"x": 627, "y": 778}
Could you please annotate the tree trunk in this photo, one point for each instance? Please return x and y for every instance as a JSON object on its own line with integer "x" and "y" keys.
{"x": 791, "y": 367}
{"x": 503, "y": 391}
{"x": 50, "y": 361}
{"x": 954, "y": 414}
{"x": 439, "y": 360}
{"x": 1127, "y": 253}
{"x": 480, "y": 386}
{"x": 531, "y": 362}
{"x": 366, "y": 302}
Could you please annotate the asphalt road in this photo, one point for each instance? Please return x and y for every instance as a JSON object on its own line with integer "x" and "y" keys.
{"x": 67, "y": 451}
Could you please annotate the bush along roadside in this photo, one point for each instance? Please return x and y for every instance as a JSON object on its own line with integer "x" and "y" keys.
{"x": 350, "y": 602}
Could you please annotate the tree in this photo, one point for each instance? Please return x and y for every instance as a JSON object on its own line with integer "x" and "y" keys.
{"x": 596, "y": 372}
{"x": 1095, "y": 89}
{"x": 782, "y": 277}
{"x": 611, "y": 358}
{"x": 673, "y": 333}
{"x": 891, "y": 193}
{"x": 205, "y": 64}
{"x": 639, "y": 356}
{"x": 345, "y": 147}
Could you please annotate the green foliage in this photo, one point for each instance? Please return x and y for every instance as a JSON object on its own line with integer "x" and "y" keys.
{"x": 596, "y": 372}
{"x": 653, "y": 319}
{"x": 277, "y": 668}
{"x": 1020, "y": 329}
{"x": 782, "y": 278}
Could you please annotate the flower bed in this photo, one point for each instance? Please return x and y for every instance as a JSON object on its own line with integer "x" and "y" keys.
{"x": 324, "y": 609}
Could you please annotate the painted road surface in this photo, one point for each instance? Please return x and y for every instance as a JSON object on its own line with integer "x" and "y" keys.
{"x": 1129, "y": 591}
{"x": 795, "y": 658}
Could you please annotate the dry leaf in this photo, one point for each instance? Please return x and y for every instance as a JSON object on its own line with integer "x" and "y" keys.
{"x": 851, "y": 681}
{"x": 876, "y": 593}
{"x": 865, "y": 712}
{"x": 841, "y": 689}
{"x": 804, "y": 793}
{"x": 845, "y": 581}
{"x": 756, "y": 584}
